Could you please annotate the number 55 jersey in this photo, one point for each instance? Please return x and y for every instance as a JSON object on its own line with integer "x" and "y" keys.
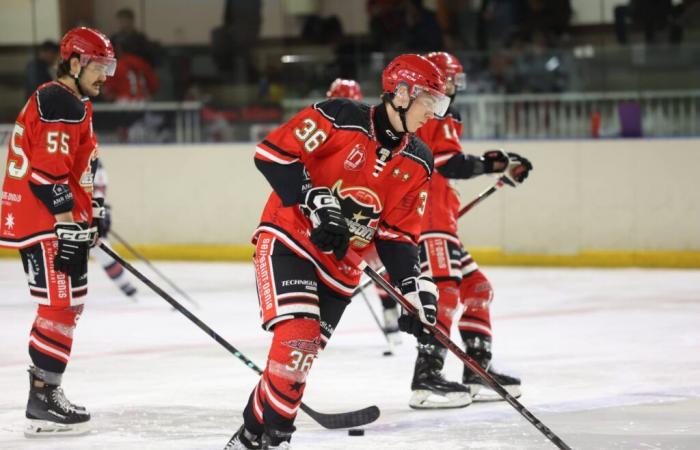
{"x": 48, "y": 166}
{"x": 382, "y": 191}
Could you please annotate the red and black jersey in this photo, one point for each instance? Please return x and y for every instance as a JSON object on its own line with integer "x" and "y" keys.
{"x": 50, "y": 151}
{"x": 442, "y": 136}
{"x": 382, "y": 192}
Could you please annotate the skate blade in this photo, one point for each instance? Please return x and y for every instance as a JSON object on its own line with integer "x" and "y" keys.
{"x": 422, "y": 399}
{"x": 45, "y": 428}
{"x": 483, "y": 394}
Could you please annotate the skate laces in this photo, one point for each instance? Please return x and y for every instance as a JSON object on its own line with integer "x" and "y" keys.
{"x": 59, "y": 397}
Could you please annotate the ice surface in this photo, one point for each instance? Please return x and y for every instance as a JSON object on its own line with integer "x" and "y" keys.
{"x": 610, "y": 359}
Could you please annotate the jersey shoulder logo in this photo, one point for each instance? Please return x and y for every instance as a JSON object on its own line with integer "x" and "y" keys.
{"x": 356, "y": 158}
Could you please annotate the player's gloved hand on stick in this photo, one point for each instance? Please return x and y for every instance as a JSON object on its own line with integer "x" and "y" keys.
{"x": 518, "y": 169}
{"x": 422, "y": 293}
{"x": 74, "y": 240}
{"x": 495, "y": 161}
{"x": 330, "y": 231}
{"x": 101, "y": 216}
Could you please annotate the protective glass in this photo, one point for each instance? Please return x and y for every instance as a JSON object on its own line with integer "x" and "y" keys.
{"x": 101, "y": 64}
{"x": 436, "y": 102}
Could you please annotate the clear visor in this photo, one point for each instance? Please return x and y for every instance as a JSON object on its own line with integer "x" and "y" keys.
{"x": 460, "y": 81}
{"x": 435, "y": 102}
{"x": 101, "y": 64}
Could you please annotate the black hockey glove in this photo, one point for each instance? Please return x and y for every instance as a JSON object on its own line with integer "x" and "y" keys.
{"x": 330, "y": 231}
{"x": 518, "y": 169}
{"x": 74, "y": 240}
{"x": 495, "y": 161}
{"x": 422, "y": 293}
{"x": 101, "y": 216}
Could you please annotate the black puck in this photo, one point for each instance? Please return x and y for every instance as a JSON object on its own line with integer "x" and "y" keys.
{"x": 388, "y": 353}
{"x": 356, "y": 432}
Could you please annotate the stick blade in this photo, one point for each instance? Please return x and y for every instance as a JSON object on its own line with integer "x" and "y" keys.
{"x": 349, "y": 419}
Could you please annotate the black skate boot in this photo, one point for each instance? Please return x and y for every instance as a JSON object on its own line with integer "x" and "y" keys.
{"x": 430, "y": 388}
{"x": 277, "y": 439}
{"x": 244, "y": 440}
{"x": 478, "y": 346}
{"x": 49, "y": 411}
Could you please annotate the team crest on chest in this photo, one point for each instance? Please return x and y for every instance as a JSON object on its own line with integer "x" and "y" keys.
{"x": 356, "y": 158}
{"x": 362, "y": 208}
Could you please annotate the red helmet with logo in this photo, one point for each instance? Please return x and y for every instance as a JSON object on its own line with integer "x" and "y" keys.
{"x": 345, "y": 89}
{"x": 450, "y": 66}
{"x": 420, "y": 76}
{"x": 91, "y": 46}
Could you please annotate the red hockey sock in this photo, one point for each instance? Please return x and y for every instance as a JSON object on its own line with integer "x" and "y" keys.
{"x": 277, "y": 396}
{"x": 476, "y": 294}
{"x": 448, "y": 301}
{"x": 51, "y": 338}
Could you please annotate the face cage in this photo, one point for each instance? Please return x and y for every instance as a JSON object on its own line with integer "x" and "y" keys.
{"x": 101, "y": 63}
{"x": 435, "y": 101}
{"x": 460, "y": 81}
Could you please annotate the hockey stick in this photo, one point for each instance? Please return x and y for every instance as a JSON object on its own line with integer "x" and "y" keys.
{"x": 134, "y": 252}
{"x": 390, "y": 350}
{"x": 331, "y": 421}
{"x": 484, "y": 195}
{"x": 354, "y": 259}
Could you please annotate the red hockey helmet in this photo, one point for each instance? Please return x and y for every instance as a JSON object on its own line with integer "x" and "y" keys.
{"x": 420, "y": 76}
{"x": 91, "y": 46}
{"x": 345, "y": 89}
{"x": 451, "y": 67}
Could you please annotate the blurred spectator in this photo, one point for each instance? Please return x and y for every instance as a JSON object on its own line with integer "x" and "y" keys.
{"x": 134, "y": 79}
{"x": 387, "y": 20}
{"x": 128, "y": 33}
{"x": 458, "y": 19}
{"x": 551, "y": 18}
{"x": 497, "y": 22}
{"x": 422, "y": 32}
{"x": 233, "y": 42}
{"x": 651, "y": 16}
{"x": 42, "y": 68}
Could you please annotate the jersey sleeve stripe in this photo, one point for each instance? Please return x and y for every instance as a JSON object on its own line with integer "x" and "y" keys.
{"x": 383, "y": 231}
{"x": 444, "y": 157}
{"x": 278, "y": 149}
{"x": 267, "y": 155}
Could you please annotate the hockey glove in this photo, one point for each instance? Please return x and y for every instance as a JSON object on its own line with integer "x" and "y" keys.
{"x": 330, "y": 231}
{"x": 518, "y": 169}
{"x": 74, "y": 240}
{"x": 495, "y": 161}
{"x": 101, "y": 216}
{"x": 422, "y": 293}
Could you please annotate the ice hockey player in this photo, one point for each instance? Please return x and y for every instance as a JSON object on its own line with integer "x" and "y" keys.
{"x": 343, "y": 88}
{"x": 47, "y": 214}
{"x": 114, "y": 270}
{"x": 444, "y": 259}
{"x": 344, "y": 174}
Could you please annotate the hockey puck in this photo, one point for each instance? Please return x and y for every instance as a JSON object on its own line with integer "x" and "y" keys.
{"x": 356, "y": 432}
{"x": 388, "y": 353}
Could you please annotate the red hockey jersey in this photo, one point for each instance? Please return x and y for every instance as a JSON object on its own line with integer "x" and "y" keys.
{"x": 382, "y": 193}
{"x": 442, "y": 136}
{"x": 52, "y": 144}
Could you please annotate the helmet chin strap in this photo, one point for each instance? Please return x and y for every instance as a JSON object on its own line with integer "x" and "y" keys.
{"x": 77, "y": 82}
{"x": 402, "y": 112}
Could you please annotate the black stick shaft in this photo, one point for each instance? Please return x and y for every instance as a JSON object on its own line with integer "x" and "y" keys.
{"x": 376, "y": 319}
{"x": 481, "y": 197}
{"x": 466, "y": 359}
{"x": 136, "y": 253}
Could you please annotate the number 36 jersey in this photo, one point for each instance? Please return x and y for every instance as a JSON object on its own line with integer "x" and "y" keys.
{"x": 51, "y": 151}
{"x": 382, "y": 192}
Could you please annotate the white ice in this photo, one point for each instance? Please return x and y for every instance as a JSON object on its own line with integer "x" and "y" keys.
{"x": 610, "y": 359}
